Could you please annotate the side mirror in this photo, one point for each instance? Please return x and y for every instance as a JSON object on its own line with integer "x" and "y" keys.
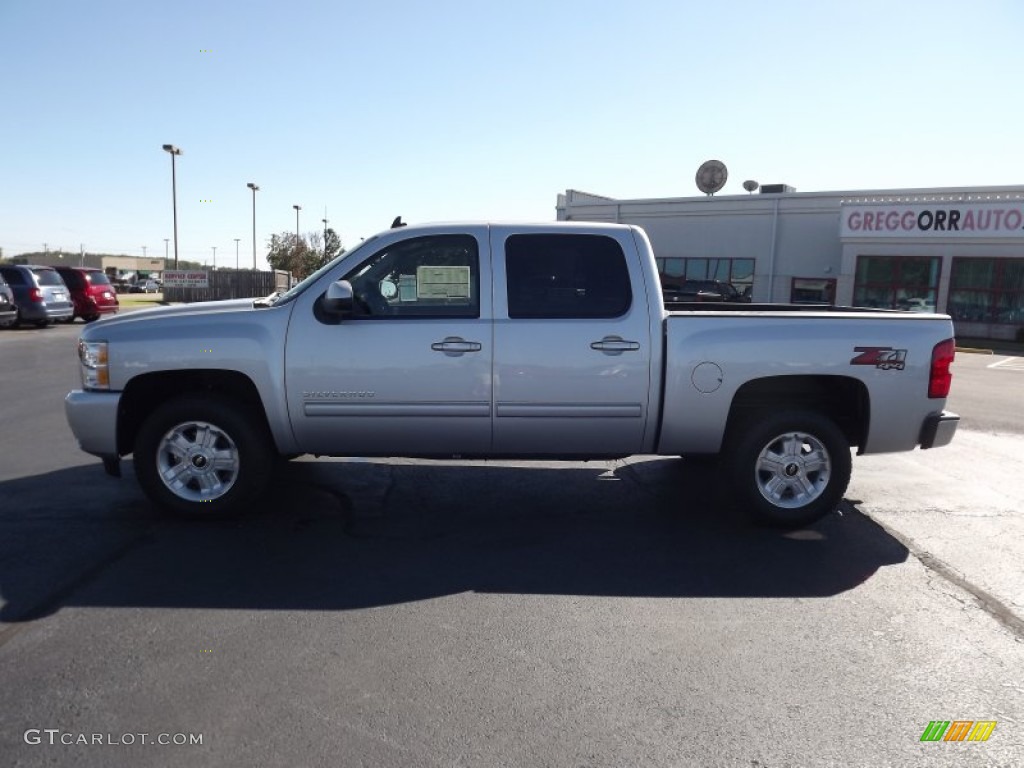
{"x": 338, "y": 299}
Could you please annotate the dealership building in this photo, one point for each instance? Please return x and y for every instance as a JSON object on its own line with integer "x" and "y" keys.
{"x": 953, "y": 250}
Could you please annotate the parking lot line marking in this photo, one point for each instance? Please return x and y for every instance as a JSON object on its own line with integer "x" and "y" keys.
{"x": 1009, "y": 364}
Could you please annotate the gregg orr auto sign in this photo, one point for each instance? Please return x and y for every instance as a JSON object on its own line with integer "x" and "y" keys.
{"x": 940, "y": 220}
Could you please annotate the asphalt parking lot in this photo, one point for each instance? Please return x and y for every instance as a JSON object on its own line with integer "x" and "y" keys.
{"x": 425, "y": 613}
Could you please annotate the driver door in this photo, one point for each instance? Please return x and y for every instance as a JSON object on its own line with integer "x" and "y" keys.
{"x": 410, "y": 373}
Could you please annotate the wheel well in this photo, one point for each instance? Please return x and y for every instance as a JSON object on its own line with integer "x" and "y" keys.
{"x": 843, "y": 399}
{"x": 146, "y": 392}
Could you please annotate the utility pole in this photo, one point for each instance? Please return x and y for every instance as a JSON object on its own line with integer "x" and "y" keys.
{"x": 236, "y": 253}
{"x": 255, "y": 188}
{"x": 325, "y": 230}
{"x": 174, "y": 152}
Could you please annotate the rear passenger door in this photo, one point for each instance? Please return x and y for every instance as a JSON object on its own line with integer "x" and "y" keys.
{"x": 572, "y": 346}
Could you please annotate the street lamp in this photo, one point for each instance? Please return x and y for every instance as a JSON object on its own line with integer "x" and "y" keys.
{"x": 143, "y": 253}
{"x": 214, "y": 256}
{"x": 297, "y": 209}
{"x": 324, "y": 220}
{"x": 174, "y": 151}
{"x": 166, "y": 241}
{"x": 254, "y": 189}
{"x": 236, "y": 253}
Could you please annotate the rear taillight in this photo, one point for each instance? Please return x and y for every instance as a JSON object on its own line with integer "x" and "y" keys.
{"x": 35, "y": 294}
{"x": 940, "y": 376}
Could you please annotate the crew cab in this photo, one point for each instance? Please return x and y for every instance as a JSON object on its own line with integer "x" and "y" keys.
{"x": 540, "y": 341}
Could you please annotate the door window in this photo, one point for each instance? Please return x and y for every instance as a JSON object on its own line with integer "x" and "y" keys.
{"x": 431, "y": 276}
{"x": 566, "y": 276}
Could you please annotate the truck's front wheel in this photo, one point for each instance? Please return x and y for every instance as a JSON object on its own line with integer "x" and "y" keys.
{"x": 789, "y": 469}
{"x": 203, "y": 457}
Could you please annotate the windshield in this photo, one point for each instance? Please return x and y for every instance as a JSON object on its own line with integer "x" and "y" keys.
{"x": 298, "y": 288}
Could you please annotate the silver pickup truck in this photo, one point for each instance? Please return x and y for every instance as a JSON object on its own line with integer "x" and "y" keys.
{"x": 540, "y": 341}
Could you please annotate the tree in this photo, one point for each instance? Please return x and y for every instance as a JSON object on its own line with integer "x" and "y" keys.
{"x": 302, "y": 256}
{"x": 332, "y": 246}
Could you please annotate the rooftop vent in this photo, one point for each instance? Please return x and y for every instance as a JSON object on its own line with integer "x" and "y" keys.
{"x": 776, "y": 189}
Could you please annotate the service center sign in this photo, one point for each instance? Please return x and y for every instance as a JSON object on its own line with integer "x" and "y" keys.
{"x": 939, "y": 220}
{"x": 181, "y": 278}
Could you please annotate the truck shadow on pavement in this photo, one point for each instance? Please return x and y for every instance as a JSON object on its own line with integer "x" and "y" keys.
{"x": 340, "y": 535}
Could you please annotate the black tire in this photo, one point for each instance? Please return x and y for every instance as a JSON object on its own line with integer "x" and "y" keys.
{"x": 209, "y": 429}
{"x": 42, "y": 323}
{"x": 790, "y": 468}
{"x": 90, "y": 319}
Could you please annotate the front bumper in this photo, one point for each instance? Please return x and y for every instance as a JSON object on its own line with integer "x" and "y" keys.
{"x": 93, "y": 420}
{"x": 938, "y": 429}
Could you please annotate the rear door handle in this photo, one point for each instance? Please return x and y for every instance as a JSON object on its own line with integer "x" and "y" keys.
{"x": 454, "y": 346}
{"x": 615, "y": 345}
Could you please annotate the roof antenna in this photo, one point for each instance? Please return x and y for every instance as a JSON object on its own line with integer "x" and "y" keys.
{"x": 397, "y": 222}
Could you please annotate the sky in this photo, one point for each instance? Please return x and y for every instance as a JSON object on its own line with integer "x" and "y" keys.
{"x": 448, "y": 110}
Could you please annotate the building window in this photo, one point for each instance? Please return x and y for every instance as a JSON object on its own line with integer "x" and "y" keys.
{"x": 987, "y": 290}
{"x": 897, "y": 282}
{"x": 813, "y": 290}
{"x": 675, "y": 271}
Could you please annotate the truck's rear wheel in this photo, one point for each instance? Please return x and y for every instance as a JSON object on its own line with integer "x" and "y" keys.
{"x": 203, "y": 457}
{"x": 789, "y": 468}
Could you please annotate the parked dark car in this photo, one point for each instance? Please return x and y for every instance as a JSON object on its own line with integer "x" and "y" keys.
{"x": 704, "y": 290}
{"x": 8, "y": 312}
{"x": 91, "y": 292}
{"x": 39, "y": 294}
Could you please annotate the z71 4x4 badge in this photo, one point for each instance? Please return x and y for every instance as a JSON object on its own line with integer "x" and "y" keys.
{"x": 884, "y": 358}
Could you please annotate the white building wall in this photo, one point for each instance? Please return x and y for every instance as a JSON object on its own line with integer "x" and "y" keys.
{"x": 799, "y": 235}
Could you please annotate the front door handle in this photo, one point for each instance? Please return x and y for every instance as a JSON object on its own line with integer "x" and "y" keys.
{"x": 453, "y": 346}
{"x": 615, "y": 345}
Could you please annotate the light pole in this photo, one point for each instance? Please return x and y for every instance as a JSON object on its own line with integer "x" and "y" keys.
{"x": 254, "y": 189}
{"x": 236, "y": 253}
{"x": 143, "y": 253}
{"x": 81, "y": 254}
{"x": 297, "y": 209}
{"x": 214, "y": 257}
{"x": 324, "y": 220}
{"x": 166, "y": 241}
{"x": 174, "y": 151}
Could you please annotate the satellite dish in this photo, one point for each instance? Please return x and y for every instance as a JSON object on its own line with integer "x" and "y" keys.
{"x": 711, "y": 176}
{"x": 750, "y": 185}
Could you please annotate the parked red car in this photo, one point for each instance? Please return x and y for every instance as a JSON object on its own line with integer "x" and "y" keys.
{"x": 91, "y": 292}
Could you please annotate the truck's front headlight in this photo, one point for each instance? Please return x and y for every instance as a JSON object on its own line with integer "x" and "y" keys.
{"x": 95, "y": 369}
